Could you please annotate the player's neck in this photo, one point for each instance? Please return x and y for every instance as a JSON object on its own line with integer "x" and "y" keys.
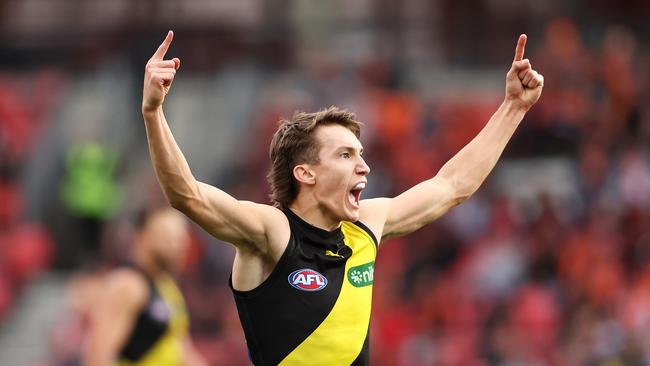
{"x": 314, "y": 215}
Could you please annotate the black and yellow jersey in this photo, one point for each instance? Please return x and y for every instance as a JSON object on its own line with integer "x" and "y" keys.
{"x": 314, "y": 308}
{"x": 158, "y": 336}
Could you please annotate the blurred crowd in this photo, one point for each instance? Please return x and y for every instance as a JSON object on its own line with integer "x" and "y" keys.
{"x": 25, "y": 245}
{"x": 548, "y": 264}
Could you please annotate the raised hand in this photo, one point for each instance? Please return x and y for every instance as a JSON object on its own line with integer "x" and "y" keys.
{"x": 158, "y": 76}
{"x": 523, "y": 84}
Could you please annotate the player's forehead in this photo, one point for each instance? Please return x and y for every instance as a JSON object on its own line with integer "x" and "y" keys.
{"x": 336, "y": 136}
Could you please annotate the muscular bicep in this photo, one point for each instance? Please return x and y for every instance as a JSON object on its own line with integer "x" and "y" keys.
{"x": 113, "y": 318}
{"x": 416, "y": 207}
{"x": 241, "y": 223}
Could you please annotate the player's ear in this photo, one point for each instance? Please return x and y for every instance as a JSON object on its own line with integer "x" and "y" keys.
{"x": 304, "y": 174}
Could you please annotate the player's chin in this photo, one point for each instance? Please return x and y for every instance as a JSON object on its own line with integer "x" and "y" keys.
{"x": 352, "y": 213}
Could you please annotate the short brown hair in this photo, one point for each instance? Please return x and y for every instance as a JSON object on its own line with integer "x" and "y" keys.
{"x": 294, "y": 143}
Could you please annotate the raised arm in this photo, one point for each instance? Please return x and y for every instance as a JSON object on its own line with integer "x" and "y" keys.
{"x": 245, "y": 224}
{"x": 462, "y": 175}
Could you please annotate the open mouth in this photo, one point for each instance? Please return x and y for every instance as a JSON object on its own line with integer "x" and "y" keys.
{"x": 355, "y": 194}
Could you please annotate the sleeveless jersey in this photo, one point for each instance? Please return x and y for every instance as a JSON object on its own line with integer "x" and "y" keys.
{"x": 314, "y": 308}
{"x": 160, "y": 329}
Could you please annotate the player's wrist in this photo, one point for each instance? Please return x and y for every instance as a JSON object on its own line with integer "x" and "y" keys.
{"x": 514, "y": 108}
{"x": 150, "y": 109}
{"x": 516, "y": 105}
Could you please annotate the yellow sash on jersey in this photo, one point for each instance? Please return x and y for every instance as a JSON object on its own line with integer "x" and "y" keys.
{"x": 338, "y": 340}
{"x": 168, "y": 350}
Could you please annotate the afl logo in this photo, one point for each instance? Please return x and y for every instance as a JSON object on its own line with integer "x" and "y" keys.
{"x": 307, "y": 280}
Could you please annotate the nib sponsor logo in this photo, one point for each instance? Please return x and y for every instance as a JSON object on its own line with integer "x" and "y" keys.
{"x": 363, "y": 275}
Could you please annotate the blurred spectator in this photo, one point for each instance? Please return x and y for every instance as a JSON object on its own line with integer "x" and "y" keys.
{"x": 90, "y": 197}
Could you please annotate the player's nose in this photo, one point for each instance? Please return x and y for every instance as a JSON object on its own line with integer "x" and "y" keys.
{"x": 362, "y": 167}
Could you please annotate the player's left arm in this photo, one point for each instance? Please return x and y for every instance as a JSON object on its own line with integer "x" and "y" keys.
{"x": 463, "y": 174}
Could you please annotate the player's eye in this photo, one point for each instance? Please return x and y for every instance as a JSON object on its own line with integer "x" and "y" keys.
{"x": 345, "y": 155}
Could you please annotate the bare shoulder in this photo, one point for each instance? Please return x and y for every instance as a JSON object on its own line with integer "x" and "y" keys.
{"x": 373, "y": 213}
{"x": 125, "y": 286}
{"x": 276, "y": 226}
{"x": 264, "y": 209}
{"x": 271, "y": 215}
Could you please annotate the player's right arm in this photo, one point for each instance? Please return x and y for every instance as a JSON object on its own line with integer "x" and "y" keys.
{"x": 113, "y": 317}
{"x": 244, "y": 224}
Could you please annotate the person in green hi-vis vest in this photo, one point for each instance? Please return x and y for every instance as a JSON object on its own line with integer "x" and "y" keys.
{"x": 90, "y": 193}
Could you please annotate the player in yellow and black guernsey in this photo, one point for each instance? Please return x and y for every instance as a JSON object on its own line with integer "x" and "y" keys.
{"x": 140, "y": 317}
{"x": 319, "y": 295}
{"x": 303, "y": 270}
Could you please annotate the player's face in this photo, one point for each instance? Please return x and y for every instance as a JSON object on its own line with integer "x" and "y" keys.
{"x": 168, "y": 238}
{"x": 341, "y": 172}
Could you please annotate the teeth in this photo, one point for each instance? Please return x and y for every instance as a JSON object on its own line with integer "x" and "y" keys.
{"x": 360, "y": 185}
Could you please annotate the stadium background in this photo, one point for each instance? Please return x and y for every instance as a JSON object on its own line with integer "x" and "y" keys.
{"x": 549, "y": 264}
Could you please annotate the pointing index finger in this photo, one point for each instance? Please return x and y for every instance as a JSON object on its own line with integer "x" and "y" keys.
{"x": 164, "y": 46}
{"x": 521, "y": 46}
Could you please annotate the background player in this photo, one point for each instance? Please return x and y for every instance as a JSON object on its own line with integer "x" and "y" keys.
{"x": 140, "y": 317}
